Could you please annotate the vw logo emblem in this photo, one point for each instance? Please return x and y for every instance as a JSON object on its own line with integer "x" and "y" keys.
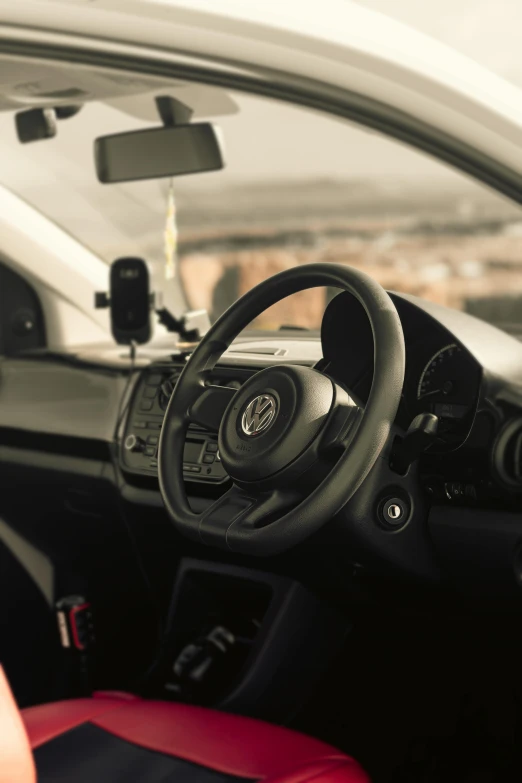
{"x": 259, "y": 414}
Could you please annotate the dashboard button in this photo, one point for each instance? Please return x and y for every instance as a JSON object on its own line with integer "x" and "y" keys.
{"x": 145, "y": 405}
{"x": 133, "y": 443}
{"x": 149, "y": 392}
{"x": 154, "y": 380}
{"x": 150, "y": 451}
{"x": 154, "y": 425}
{"x": 140, "y": 425}
{"x": 153, "y": 440}
{"x": 208, "y": 459}
{"x": 212, "y": 447}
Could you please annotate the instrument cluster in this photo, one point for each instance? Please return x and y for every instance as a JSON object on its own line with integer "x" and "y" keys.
{"x": 441, "y": 377}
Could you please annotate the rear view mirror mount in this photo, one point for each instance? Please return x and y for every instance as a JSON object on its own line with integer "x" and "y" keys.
{"x": 172, "y": 150}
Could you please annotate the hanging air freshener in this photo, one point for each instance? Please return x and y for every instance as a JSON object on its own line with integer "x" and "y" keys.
{"x": 171, "y": 235}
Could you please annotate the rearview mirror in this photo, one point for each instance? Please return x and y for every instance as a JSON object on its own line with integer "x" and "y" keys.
{"x": 158, "y": 152}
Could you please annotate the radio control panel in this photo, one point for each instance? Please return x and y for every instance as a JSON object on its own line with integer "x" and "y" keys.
{"x": 139, "y": 446}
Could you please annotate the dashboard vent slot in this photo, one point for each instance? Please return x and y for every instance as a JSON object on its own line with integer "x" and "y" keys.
{"x": 221, "y": 377}
{"x": 167, "y": 387}
{"x": 508, "y": 453}
{"x": 268, "y": 351}
{"x": 234, "y": 379}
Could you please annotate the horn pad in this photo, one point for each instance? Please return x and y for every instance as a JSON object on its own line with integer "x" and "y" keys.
{"x": 272, "y": 420}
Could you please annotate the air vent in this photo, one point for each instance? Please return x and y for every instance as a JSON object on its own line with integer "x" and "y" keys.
{"x": 261, "y": 351}
{"x": 234, "y": 379}
{"x": 508, "y": 454}
{"x": 167, "y": 387}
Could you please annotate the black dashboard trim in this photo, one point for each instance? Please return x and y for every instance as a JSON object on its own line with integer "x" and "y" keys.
{"x": 52, "y": 444}
{"x": 59, "y": 463}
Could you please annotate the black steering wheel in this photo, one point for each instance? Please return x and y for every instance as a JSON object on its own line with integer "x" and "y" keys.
{"x": 294, "y": 443}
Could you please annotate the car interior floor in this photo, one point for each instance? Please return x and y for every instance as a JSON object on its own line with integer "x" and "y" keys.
{"x": 425, "y": 697}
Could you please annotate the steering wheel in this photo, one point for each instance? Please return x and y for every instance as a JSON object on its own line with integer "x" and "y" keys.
{"x": 294, "y": 443}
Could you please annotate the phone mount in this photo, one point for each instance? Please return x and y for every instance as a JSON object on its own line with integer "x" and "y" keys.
{"x": 131, "y": 305}
{"x": 190, "y": 327}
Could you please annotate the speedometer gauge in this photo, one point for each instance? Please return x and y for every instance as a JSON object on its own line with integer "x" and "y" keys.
{"x": 448, "y": 387}
{"x": 437, "y": 375}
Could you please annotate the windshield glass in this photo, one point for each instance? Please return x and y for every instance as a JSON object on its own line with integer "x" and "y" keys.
{"x": 298, "y": 187}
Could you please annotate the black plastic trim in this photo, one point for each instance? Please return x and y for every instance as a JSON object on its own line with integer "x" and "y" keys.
{"x": 297, "y": 639}
{"x": 66, "y": 445}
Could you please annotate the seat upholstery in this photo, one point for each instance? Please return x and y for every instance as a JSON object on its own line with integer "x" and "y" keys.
{"x": 16, "y": 761}
{"x": 119, "y": 737}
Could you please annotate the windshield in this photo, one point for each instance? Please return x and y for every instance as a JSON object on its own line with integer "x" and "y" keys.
{"x": 298, "y": 187}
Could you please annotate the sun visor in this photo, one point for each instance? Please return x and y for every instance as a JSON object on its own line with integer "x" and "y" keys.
{"x": 33, "y": 83}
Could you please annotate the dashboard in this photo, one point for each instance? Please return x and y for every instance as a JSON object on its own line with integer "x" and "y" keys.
{"x": 442, "y": 378}
{"x": 455, "y": 367}
{"x": 86, "y": 414}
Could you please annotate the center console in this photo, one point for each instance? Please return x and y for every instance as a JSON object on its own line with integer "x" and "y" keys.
{"x": 235, "y": 638}
{"x": 244, "y": 640}
{"x": 139, "y": 446}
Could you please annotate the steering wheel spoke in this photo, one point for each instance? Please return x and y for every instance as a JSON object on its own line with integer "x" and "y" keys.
{"x": 209, "y": 405}
{"x": 342, "y": 427}
{"x": 230, "y": 518}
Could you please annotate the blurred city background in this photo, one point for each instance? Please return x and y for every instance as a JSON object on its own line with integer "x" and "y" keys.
{"x": 456, "y": 246}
